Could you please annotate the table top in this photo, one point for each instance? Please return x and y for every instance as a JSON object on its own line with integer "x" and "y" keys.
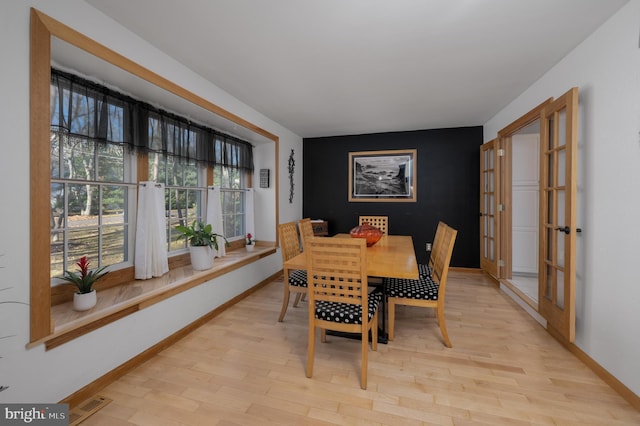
{"x": 392, "y": 257}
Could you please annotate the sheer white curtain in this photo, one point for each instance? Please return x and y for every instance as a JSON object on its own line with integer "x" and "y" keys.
{"x": 214, "y": 217}
{"x": 151, "y": 241}
{"x": 249, "y": 224}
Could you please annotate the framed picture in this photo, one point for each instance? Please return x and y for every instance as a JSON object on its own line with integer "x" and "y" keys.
{"x": 387, "y": 176}
{"x": 264, "y": 178}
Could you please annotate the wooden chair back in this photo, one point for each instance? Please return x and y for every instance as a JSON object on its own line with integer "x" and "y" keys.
{"x": 380, "y": 222}
{"x": 443, "y": 259}
{"x": 306, "y": 230}
{"x": 437, "y": 241}
{"x": 338, "y": 296}
{"x": 337, "y": 270}
{"x": 289, "y": 240}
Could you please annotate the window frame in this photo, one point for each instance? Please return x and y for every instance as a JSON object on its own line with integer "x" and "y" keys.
{"x": 42, "y": 29}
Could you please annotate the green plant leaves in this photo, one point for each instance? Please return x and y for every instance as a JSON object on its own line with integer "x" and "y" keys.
{"x": 200, "y": 234}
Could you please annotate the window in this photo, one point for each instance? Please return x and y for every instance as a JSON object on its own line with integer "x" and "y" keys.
{"x": 44, "y": 31}
{"x": 232, "y": 190}
{"x": 184, "y": 179}
{"x": 90, "y": 180}
{"x": 232, "y": 180}
{"x": 96, "y": 137}
{"x": 185, "y": 190}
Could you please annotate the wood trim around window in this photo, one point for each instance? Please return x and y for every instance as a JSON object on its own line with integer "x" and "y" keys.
{"x": 42, "y": 29}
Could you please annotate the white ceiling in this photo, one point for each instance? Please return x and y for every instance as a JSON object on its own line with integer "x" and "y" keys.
{"x": 336, "y": 67}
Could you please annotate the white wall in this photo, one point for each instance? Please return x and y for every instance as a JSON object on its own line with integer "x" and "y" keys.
{"x": 606, "y": 68}
{"x": 36, "y": 375}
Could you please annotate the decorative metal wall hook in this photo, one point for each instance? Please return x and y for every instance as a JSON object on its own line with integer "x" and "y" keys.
{"x": 292, "y": 165}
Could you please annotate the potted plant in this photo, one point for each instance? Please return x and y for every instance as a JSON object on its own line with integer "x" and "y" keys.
{"x": 250, "y": 242}
{"x": 85, "y": 298}
{"x": 202, "y": 242}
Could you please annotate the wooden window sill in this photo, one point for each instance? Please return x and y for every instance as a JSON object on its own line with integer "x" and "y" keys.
{"x": 119, "y": 301}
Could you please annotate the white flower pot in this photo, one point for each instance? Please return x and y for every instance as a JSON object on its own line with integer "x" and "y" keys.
{"x": 84, "y": 301}
{"x": 250, "y": 247}
{"x": 201, "y": 258}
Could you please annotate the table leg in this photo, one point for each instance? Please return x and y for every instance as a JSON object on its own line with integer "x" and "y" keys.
{"x": 383, "y": 337}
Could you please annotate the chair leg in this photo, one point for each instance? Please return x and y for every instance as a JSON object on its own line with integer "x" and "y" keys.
{"x": 443, "y": 326}
{"x": 311, "y": 349}
{"x": 296, "y": 300}
{"x": 285, "y": 300}
{"x": 391, "y": 305}
{"x": 374, "y": 332}
{"x": 323, "y": 335}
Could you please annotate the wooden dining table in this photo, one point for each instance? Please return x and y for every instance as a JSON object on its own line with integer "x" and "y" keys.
{"x": 393, "y": 256}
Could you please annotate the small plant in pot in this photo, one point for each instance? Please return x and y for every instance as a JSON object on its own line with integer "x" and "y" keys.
{"x": 250, "y": 242}
{"x": 202, "y": 242}
{"x": 85, "y": 298}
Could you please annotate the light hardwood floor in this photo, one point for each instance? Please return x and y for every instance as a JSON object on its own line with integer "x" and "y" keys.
{"x": 245, "y": 368}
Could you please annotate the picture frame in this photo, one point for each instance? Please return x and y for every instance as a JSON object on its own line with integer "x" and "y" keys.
{"x": 264, "y": 178}
{"x": 383, "y": 176}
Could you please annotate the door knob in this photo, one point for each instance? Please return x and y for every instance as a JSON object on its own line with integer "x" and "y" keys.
{"x": 565, "y": 229}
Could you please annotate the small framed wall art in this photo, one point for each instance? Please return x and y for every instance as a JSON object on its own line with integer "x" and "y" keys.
{"x": 264, "y": 178}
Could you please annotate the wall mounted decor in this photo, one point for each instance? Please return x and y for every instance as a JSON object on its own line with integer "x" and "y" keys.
{"x": 386, "y": 176}
{"x": 264, "y": 178}
{"x": 292, "y": 166}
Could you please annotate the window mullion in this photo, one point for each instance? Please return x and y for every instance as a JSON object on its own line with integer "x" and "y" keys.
{"x": 65, "y": 228}
{"x": 100, "y": 225}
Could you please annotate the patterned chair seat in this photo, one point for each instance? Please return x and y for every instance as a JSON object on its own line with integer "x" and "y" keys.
{"x": 423, "y": 288}
{"x": 298, "y": 278}
{"x": 346, "y": 313}
{"x": 424, "y": 270}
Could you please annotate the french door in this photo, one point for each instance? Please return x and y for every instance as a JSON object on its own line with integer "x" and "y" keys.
{"x": 558, "y": 190}
{"x": 489, "y": 229}
{"x": 557, "y": 209}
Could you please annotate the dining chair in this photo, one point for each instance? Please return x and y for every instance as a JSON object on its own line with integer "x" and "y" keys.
{"x": 424, "y": 269}
{"x": 380, "y": 222}
{"x": 294, "y": 281}
{"x": 426, "y": 292}
{"x": 338, "y": 298}
{"x": 306, "y": 230}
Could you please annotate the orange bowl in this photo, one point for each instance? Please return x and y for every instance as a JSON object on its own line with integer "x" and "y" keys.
{"x": 371, "y": 233}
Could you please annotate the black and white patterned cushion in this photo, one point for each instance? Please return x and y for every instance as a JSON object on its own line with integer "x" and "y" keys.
{"x": 423, "y": 288}
{"x": 298, "y": 278}
{"x": 346, "y": 313}
{"x": 424, "y": 270}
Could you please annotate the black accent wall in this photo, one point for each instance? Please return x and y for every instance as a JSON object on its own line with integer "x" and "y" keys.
{"x": 448, "y": 180}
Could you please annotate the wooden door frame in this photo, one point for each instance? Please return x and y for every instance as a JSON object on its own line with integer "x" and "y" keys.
{"x": 506, "y": 218}
{"x": 506, "y": 197}
{"x": 503, "y": 182}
